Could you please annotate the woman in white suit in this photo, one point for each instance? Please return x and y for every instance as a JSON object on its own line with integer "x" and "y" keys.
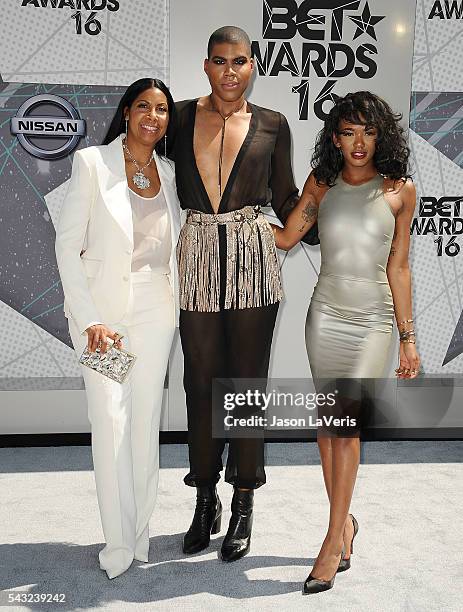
{"x": 115, "y": 244}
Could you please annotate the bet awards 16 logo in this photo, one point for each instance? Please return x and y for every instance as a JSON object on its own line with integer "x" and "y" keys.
{"x": 89, "y": 24}
{"x": 329, "y": 48}
{"x": 440, "y": 217}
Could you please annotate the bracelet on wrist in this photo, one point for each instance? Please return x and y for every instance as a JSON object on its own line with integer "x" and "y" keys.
{"x": 407, "y": 333}
{"x": 405, "y": 321}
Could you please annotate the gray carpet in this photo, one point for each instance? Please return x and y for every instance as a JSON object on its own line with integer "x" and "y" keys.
{"x": 408, "y": 553}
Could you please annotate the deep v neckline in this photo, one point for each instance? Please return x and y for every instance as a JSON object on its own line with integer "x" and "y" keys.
{"x": 236, "y": 164}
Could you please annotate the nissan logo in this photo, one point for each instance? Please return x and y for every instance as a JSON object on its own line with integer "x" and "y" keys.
{"x": 68, "y": 126}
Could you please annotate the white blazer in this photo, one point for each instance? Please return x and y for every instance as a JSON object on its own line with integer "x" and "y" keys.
{"x": 96, "y": 216}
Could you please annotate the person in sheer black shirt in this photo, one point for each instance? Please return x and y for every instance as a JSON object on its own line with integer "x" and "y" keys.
{"x": 229, "y": 274}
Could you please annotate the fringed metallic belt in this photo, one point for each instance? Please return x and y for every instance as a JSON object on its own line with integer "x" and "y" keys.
{"x": 252, "y": 268}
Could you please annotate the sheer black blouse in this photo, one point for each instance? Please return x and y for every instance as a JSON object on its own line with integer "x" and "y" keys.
{"x": 262, "y": 172}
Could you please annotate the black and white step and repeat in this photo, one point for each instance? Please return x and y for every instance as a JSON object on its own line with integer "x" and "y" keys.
{"x": 63, "y": 67}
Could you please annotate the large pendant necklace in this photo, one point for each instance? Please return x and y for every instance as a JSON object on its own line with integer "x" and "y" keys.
{"x": 139, "y": 179}
{"x": 225, "y": 118}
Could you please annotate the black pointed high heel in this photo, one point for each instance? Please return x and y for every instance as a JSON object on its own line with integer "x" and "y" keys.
{"x": 315, "y": 585}
{"x": 344, "y": 564}
{"x": 207, "y": 520}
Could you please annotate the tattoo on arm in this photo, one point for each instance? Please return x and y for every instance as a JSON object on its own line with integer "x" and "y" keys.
{"x": 309, "y": 213}
{"x": 393, "y": 251}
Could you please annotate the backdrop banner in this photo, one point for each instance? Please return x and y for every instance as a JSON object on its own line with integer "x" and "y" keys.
{"x": 72, "y": 68}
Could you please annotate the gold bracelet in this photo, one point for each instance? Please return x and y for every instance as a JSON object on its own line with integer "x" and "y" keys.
{"x": 406, "y": 333}
{"x": 404, "y": 322}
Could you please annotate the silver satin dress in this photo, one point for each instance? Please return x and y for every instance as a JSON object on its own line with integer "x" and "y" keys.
{"x": 350, "y": 317}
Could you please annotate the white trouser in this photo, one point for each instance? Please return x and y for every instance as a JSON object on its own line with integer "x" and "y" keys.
{"x": 125, "y": 422}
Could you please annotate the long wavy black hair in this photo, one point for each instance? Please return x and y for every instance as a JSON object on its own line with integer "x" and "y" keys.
{"x": 362, "y": 108}
{"x": 117, "y": 125}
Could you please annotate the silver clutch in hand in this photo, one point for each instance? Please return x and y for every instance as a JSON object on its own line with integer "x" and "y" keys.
{"x": 115, "y": 363}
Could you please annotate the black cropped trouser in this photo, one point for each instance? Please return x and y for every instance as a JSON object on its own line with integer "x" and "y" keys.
{"x": 224, "y": 344}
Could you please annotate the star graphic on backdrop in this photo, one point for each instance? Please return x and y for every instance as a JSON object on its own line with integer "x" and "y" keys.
{"x": 366, "y": 22}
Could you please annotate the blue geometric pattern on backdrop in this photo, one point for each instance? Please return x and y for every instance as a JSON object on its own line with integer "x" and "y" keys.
{"x": 29, "y": 279}
{"x": 438, "y": 118}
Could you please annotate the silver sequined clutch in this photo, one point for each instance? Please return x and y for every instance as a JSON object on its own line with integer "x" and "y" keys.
{"x": 115, "y": 363}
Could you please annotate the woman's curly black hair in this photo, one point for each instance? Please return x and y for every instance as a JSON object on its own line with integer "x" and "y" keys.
{"x": 362, "y": 108}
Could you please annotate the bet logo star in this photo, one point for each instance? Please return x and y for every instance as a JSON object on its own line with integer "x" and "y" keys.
{"x": 366, "y": 23}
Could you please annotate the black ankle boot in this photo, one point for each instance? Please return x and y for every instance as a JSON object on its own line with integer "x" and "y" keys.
{"x": 206, "y": 520}
{"x": 237, "y": 542}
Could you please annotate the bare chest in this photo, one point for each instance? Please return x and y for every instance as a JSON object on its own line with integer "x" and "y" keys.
{"x": 216, "y": 149}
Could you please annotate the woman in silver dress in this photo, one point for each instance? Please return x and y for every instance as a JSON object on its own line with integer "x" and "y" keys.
{"x": 362, "y": 196}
